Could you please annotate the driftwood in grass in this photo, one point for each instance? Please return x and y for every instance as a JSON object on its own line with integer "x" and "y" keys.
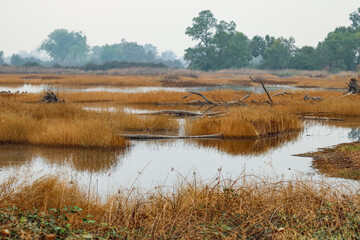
{"x": 306, "y": 98}
{"x": 160, "y": 137}
{"x": 50, "y": 97}
{"x": 282, "y": 93}
{"x": 235, "y": 101}
{"x": 323, "y": 118}
{"x": 180, "y": 113}
{"x": 258, "y": 81}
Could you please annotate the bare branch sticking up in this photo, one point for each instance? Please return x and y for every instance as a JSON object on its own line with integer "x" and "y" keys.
{"x": 263, "y": 86}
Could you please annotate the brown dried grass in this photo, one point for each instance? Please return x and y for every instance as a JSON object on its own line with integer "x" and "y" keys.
{"x": 245, "y": 123}
{"x": 222, "y": 209}
{"x": 68, "y": 125}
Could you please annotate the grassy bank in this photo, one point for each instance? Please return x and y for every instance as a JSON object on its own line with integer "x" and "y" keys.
{"x": 52, "y": 207}
{"x": 245, "y": 122}
{"x": 68, "y": 125}
{"x": 342, "y": 161}
{"x": 133, "y": 77}
{"x": 25, "y": 120}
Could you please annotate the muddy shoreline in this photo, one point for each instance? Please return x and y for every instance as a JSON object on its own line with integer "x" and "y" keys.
{"x": 341, "y": 161}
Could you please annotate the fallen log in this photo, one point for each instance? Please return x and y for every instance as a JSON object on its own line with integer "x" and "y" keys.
{"x": 164, "y": 137}
{"x": 306, "y": 98}
{"x": 183, "y": 113}
{"x": 280, "y": 94}
{"x": 323, "y": 118}
{"x": 199, "y": 94}
{"x": 207, "y": 101}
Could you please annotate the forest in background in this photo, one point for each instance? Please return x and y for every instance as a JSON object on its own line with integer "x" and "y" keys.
{"x": 218, "y": 46}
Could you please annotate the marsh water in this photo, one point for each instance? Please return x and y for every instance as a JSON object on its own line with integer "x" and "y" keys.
{"x": 147, "y": 164}
{"x": 30, "y": 88}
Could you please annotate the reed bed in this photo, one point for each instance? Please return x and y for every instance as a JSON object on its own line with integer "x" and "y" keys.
{"x": 183, "y": 78}
{"x": 67, "y": 125}
{"x": 245, "y": 123}
{"x": 222, "y": 209}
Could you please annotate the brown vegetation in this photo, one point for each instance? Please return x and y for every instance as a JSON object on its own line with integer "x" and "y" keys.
{"x": 67, "y": 125}
{"x": 222, "y": 209}
{"x": 177, "y": 78}
{"x": 245, "y": 123}
{"x": 341, "y": 161}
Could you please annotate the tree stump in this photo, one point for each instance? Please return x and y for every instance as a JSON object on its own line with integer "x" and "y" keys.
{"x": 353, "y": 86}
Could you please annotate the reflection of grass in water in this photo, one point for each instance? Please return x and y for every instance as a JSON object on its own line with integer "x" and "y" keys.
{"x": 80, "y": 159}
{"x": 250, "y": 146}
{"x": 221, "y": 209}
{"x": 84, "y": 159}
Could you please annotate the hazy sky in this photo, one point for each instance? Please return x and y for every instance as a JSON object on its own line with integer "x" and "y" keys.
{"x": 24, "y": 24}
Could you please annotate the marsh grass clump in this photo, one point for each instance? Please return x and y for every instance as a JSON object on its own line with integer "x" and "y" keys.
{"x": 245, "y": 123}
{"x": 221, "y": 209}
{"x": 68, "y": 125}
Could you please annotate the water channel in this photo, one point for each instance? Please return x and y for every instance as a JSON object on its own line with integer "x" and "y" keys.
{"x": 147, "y": 164}
{"x": 30, "y": 88}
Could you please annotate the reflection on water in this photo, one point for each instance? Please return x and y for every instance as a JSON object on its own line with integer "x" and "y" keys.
{"x": 151, "y": 163}
{"x": 354, "y": 134}
{"x": 79, "y": 159}
{"x": 29, "y": 88}
{"x": 248, "y": 146}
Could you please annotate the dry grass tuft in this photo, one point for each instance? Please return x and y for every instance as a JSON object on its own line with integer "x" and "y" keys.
{"x": 68, "y": 125}
{"x": 245, "y": 123}
{"x": 222, "y": 209}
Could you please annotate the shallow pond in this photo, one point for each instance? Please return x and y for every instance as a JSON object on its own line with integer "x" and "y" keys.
{"x": 147, "y": 164}
{"x": 29, "y": 88}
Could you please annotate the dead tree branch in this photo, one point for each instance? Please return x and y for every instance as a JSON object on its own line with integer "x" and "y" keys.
{"x": 263, "y": 86}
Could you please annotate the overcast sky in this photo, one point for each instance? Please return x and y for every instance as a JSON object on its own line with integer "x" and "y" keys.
{"x": 24, "y": 24}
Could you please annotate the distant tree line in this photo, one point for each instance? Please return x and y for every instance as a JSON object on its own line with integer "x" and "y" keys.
{"x": 71, "y": 49}
{"x": 220, "y": 46}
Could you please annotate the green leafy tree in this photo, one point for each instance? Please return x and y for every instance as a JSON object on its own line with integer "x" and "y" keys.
{"x": 305, "y": 58}
{"x": 279, "y": 54}
{"x": 221, "y": 42}
{"x": 355, "y": 18}
{"x": 269, "y": 40}
{"x": 219, "y": 45}
{"x": 133, "y": 52}
{"x": 233, "y": 51}
{"x": 257, "y": 46}
{"x": 202, "y": 30}
{"x": 111, "y": 53}
{"x": 16, "y": 60}
{"x": 67, "y": 48}
{"x": 340, "y": 50}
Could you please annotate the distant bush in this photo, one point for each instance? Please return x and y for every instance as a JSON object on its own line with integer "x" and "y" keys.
{"x": 120, "y": 65}
{"x": 32, "y": 64}
{"x": 56, "y": 65}
{"x": 171, "y": 76}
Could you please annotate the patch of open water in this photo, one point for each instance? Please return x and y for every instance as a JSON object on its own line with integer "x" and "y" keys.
{"x": 29, "y": 88}
{"x": 147, "y": 164}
